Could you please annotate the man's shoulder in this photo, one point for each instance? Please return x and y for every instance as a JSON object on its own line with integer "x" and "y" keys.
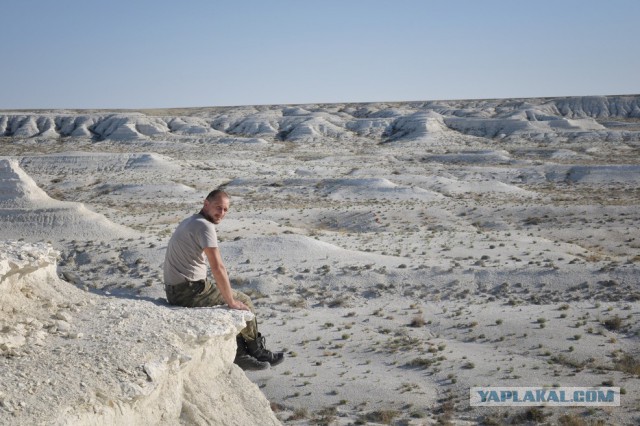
{"x": 197, "y": 221}
{"x": 193, "y": 218}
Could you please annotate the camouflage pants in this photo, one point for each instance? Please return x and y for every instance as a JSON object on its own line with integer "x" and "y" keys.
{"x": 204, "y": 293}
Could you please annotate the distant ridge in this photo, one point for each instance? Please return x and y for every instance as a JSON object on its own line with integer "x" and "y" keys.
{"x": 570, "y": 117}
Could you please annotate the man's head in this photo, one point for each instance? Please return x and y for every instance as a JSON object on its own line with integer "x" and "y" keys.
{"x": 216, "y": 206}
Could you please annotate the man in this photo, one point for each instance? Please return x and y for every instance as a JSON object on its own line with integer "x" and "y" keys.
{"x": 193, "y": 243}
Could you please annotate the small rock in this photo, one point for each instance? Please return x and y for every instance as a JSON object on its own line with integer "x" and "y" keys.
{"x": 72, "y": 277}
{"x": 154, "y": 370}
{"x": 64, "y": 316}
{"x": 63, "y": 326}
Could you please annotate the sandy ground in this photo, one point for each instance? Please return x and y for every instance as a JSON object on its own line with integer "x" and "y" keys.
{"x": 398, "y": 255}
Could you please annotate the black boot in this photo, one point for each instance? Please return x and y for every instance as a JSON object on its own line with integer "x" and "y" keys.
{"x": 256, "y": 348}
{"x": 246, "y": 361}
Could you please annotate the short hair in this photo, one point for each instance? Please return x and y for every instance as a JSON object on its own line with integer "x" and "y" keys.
{"x": 217, "y": 193}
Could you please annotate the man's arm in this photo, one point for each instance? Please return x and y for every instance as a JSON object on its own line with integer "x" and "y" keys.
{"x": 219, "y": 272}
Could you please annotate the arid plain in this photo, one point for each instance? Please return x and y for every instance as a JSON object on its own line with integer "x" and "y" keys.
{"x": 399, "y": 253}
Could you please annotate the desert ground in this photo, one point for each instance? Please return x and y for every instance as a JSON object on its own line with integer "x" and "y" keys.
{"x": 399, "y": 253}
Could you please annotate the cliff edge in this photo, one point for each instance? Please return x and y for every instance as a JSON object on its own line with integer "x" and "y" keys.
{"x": 72, "y": 357}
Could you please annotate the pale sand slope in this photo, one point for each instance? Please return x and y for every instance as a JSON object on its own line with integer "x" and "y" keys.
{"x": 399, "y": 253}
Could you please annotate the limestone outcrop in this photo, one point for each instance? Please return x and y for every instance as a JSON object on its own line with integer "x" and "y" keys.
{"x": 72, "y": 357}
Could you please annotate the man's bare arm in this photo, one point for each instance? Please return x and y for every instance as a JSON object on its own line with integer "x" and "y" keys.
{"x": 219, "y": 272}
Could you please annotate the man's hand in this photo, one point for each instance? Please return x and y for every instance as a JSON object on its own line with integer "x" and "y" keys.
{"x": 236, "y": 304}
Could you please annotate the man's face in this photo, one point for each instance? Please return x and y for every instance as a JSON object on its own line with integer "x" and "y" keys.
{"x": 216, "y": 209}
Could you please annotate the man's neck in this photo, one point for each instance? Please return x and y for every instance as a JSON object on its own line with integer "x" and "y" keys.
{"x": 206, "y": 216}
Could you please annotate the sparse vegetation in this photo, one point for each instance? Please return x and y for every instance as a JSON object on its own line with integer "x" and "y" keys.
{"x": 384, "y": 417}
{"x": 424, "y": 362}
{"x": 299, "y": 414}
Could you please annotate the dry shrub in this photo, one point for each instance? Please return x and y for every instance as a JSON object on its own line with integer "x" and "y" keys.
{"x": 417, "y": 321}
{"x": 628, "y": 364}
{"x": 613, "y": 324}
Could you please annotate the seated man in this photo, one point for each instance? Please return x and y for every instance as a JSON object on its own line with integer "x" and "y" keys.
{"x": 185, "y": 278}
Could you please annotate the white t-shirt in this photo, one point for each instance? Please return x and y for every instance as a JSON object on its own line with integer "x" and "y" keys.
{"x": 185, "y": 259}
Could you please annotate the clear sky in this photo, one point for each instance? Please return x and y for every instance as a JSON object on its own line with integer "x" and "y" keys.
{"x": 189, "y": 53}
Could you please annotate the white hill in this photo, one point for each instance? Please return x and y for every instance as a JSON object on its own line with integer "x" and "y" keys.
{"x": 416, "y": 126}
{"x": 373, "y": 188}
{"x": 74, "y": 161}
{"x": 27, "y": 212}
